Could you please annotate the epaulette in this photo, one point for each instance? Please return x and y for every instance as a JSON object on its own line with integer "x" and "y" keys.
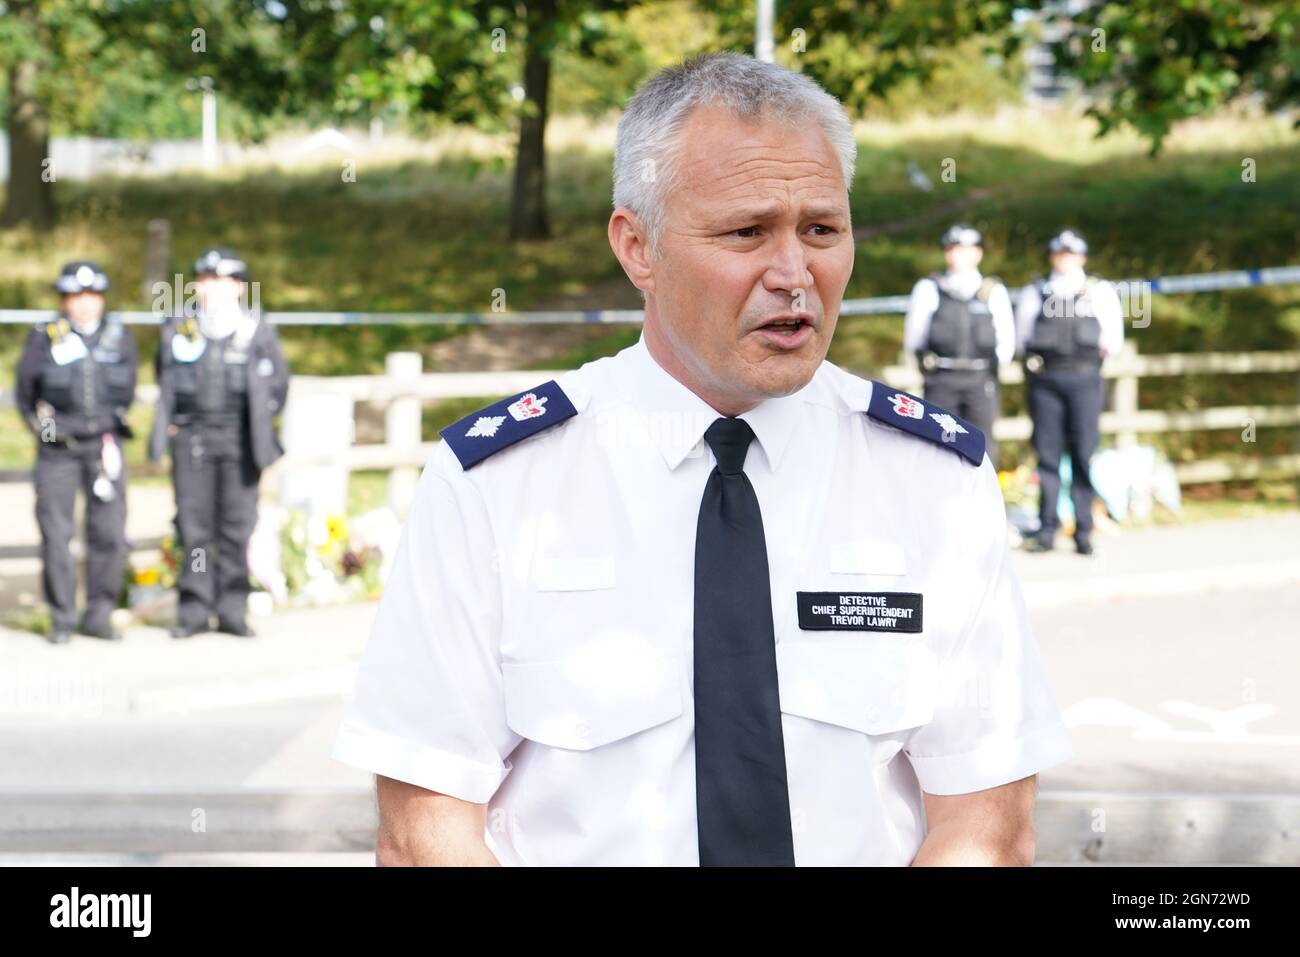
{"x": 987, "y": 285}
{"x": 57, "y": 329}
{"x": 502, "y": 424}
{"x": 905, "y": 411}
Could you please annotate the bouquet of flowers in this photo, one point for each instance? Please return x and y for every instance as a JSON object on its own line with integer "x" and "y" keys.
{"x": 145, "y": 583}
{"x": 325, "y": 564}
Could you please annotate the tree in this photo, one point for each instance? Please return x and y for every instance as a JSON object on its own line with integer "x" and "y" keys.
{"x": 408, "y": 59}
{"x": 1146, "y": 64}
{"x": 462, "y": 62}
{"x": 860, "y": 50}
{"x": 64, "y": 60}
{"x": 46, "y": 51}
{"x": 1151, "y": 63}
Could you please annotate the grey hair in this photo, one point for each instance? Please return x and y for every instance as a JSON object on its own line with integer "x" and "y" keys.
{"x": 645, "y": 167}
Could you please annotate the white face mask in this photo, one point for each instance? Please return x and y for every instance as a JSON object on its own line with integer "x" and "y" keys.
{"x": 1067, "y": 283}
{"x": 85, "y": 329}
{"x": 84, "y": 312}
{"x": 220, "y": 324}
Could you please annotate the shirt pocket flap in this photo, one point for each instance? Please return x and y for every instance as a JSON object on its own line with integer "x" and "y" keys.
{"x": 565, "y": 705}
{"x": 575, "y": 574}
{"x": 867, "y": 557}
{"x": 870, "y": 685}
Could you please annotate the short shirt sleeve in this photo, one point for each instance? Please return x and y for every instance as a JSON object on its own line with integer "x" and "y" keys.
{"x": 1028, "y": 305}
{"x": 1110, "y": 315}
{"x": 920, "y": 310}
{"x": 428, "y": 705}
{"x": 995, "y": 719}
{"x": 1004, "y": 323}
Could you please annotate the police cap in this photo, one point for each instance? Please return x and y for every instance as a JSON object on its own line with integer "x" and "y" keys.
{"x": 1067, "y": 241}
{"x": 80, "y": 276}
{"x": 221, "y": 261}
{"x": 962, "y": 235}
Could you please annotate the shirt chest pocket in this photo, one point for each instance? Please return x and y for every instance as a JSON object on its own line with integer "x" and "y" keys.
{"x": 867, "y": 683}
{"x": 587, "y": 701}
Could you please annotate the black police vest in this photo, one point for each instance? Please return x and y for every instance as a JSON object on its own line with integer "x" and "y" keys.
{"x": 1067, "y": 331}
{"x": 213, "y": 389}
{"x": 963, "y": 328}
{"x": 92, "y": 386}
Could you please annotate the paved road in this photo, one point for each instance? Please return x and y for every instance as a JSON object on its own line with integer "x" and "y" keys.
{"x": 1173, "y": 655}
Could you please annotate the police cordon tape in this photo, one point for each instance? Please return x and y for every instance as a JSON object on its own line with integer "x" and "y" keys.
{"x": 1129, "y": 289}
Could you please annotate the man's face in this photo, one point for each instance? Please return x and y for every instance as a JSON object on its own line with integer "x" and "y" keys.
{"x": 758, "y": 231}
{"x": 1064, "y": 262}
{"x": 963, "y": 258}
{"x": 217, "y": 293}
{"x": 84, "y": 309}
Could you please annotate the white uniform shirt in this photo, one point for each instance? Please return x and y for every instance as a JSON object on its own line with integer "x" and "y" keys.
{"x": 925, "y": 302}
{"x": 533, "y": 649}
{"x": 1105, "y": 303}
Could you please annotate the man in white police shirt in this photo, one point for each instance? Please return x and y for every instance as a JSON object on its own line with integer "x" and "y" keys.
{"x": 711, "y": 600}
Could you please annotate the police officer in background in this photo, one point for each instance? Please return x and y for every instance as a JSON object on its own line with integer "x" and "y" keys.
{"x": 222, "y": 378}
{"x": 1067, "y": 324}
{"x": 76, "y": 382}
{"x": 960, "y": 327}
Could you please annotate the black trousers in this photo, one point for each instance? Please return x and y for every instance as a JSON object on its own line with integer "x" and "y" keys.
{"x": 1065, "y": 406}
{"x": 60, "y": 471}
{"x": 975, "y": 396}
{"x": 215, "y": 483}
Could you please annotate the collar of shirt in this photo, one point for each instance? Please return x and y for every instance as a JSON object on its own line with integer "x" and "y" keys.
{"x": 654, "y": 392}
{"x": 964, "y": 284}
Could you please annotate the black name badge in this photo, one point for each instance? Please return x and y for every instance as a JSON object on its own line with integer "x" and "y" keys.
{"x": 898, "y": 611}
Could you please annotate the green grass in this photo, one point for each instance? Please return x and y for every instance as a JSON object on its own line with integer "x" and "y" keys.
{"x": 367, "y": 491}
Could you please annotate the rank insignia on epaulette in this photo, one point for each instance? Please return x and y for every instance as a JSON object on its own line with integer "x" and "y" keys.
{"x": 500, "y": 425}
{"x": 57, "y": 330}
{"x": 910, "y": 413}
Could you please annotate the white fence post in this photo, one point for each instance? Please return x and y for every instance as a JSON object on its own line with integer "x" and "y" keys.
{"x": 402, "y": 424}
{"x": 317, "y": 427}
{"x": 1126, "y": 393}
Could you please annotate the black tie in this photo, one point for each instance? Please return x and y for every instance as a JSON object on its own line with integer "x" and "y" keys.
{"x": 742, "y": 801}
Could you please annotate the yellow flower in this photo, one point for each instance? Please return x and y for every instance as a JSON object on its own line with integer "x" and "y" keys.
{"x": 146, "y": 576}
{"x": 337, "y": 527}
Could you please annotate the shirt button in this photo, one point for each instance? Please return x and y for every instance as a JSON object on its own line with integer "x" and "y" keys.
{"x": 582, "y": 729}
